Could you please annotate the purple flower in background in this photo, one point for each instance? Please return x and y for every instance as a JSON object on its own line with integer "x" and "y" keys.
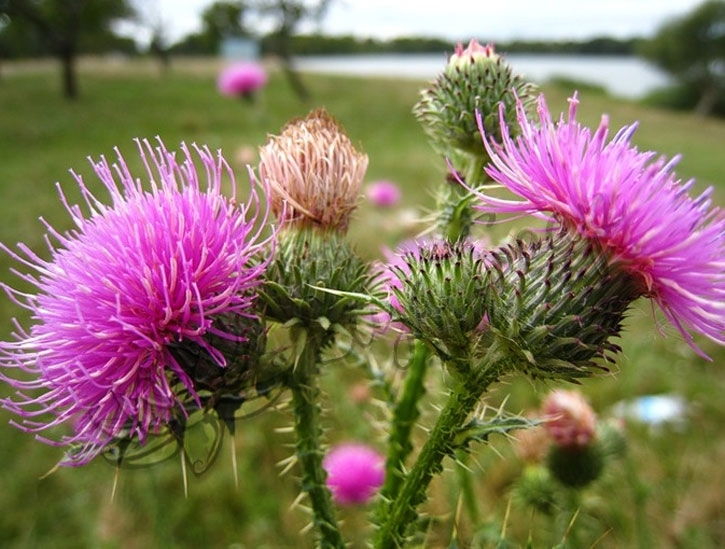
{"x": 242, "y": 80}
{"x": 383, "y": 193}
{"x": 628, "y": 203}
{"x": 127, "y": 283}
{"x": 355, "y": 472}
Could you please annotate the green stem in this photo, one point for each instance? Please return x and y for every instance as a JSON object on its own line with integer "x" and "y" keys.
{"x": 305, "y": 393}
{"x": 639, "y": 494}
{"x": 401, "y": 511}
{"x": 465, "y": 481}
{"x": 404, "y": 417}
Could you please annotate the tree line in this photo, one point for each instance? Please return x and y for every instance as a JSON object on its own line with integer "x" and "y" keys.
{"x": 691, "y": 48}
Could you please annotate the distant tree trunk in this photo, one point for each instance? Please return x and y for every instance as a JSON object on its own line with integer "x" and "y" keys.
{"x": 161, "y": 53}
{"x": 707, "y": 101}
{"x": 70, "y": 82}
{"x": 293, "y": 77}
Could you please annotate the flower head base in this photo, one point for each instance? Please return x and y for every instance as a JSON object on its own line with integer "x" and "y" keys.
{"x": 157, "y": 269}
{"x": 305, "y": 261}
{"x": 626, "y": 203}
{"x": 314, "y": 173}
{"x": 554, "y": 305}
{"x": 355, "y": 472}
{"x": 475, "y": 79}
{"x": 242, "y": 80}
{"x": 439, "y": 291}
{"x": 570, "y": 420}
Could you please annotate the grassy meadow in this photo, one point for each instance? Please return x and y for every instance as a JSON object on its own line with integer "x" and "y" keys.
{"x": 667, "y": 491}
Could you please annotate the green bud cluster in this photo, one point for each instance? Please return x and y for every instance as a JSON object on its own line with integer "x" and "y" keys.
{"x": 442, "y": 297}
{"x": 307, "y": 261}
{"x": 556, "y": 304}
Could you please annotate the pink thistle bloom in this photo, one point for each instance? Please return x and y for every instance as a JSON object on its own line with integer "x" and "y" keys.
{"x": 131, "y": 280}
{"x": 570, "y": 420}
{"x": 355, "y": 472}
{"x": 241, "y": 79}
{"x": 384, "y": 194}
{"x": 629, "y": 203}
{"x": 472, "y": 52}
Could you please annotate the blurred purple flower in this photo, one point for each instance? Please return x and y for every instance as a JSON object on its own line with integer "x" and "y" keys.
{"x": 130, "y": 281}
{"x": 384, "y": 193}
{"x": 629, "y": 203}
{"x": 355, "y": 472}
{"x": 241, "y": 79}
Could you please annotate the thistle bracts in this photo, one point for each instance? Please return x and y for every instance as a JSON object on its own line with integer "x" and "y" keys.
{"x": 555, "y": 304}
{"x": 306, "y": 262}
{"x": 440, "y": 292}
{"x": 476, "y": 79}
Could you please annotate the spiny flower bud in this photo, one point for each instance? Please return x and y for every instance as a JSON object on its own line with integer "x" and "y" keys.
{"x": 536, "y": 488}
{"x": 555, "y": 304}
{"x": 576, "y": 466}
{"x": 570, "y": 420}
{"x": 439, "y": 292}
{"x": 314, "y": 172}
{"x": 475, "y": 79}
{"x": 304, "y": 261}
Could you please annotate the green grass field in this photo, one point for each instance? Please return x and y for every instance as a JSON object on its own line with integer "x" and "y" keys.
{"x": 668, "y": 492}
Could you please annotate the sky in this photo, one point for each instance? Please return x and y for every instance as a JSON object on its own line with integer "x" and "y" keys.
{"x": 460, "y": 20}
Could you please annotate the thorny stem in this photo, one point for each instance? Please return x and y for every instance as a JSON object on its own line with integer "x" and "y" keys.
{"x": 404, "y": 417}
{"x": 305, "y": 394}
{"x": 398, "y": 513}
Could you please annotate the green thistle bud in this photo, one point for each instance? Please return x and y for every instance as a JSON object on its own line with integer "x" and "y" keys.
{"x": 536, "y": 488}
{"x": 556, "y": 304}
{"x": 441, "y": 298}
{"x": 304, "y": 261}
{"x": 576, "y": 466}
{"x": 475, "y": 79}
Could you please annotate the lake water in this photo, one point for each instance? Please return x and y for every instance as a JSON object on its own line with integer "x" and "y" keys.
{"x": 629, "y": 77}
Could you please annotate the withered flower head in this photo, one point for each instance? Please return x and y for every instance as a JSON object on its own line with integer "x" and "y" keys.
{"x": 314, "y": 172}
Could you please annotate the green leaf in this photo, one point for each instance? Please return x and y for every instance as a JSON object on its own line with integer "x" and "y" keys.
{"x": 478, "y": 430}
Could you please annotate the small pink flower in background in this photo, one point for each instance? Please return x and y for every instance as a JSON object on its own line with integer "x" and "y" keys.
{"x": 383, "y": 193}
{"x": 355, "y": 472}
{"x": 242, "y": 79}
{"x": 570, "y": 420}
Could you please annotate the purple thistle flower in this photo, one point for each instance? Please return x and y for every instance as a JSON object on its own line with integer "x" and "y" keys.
{"x": 355, "y": 472}
{"x": 628, "y": 203}
{"x": 130, "y": 281}
{"x": 241, "y": 79}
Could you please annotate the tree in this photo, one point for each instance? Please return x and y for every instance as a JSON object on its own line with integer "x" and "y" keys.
{"x": 287, "y": 15}
{"x": 692, "y": 49}
{"x": 62, "y": 24}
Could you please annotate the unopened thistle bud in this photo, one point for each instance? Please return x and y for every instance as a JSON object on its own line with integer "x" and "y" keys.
{"x": 440, "y": 294}
{"x": 576, "y": 467}
{"x": 556, "y": 304}
{"x": 476, "y": 79}
{"x": 314, "y": 173}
